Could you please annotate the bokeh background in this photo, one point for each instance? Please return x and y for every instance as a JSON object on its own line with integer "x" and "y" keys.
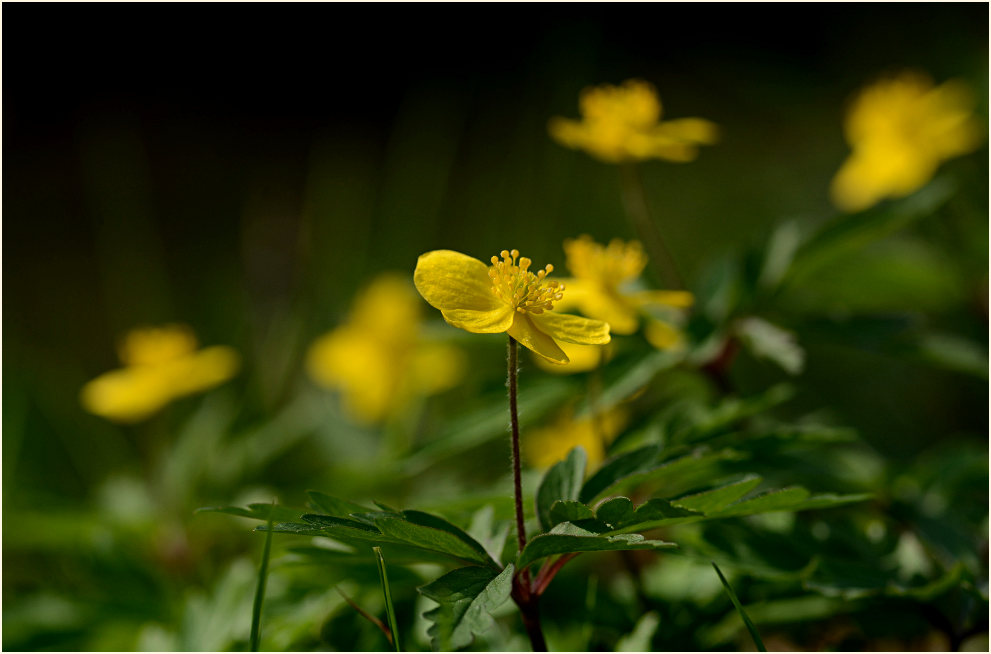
{"x": 245, "y": 171}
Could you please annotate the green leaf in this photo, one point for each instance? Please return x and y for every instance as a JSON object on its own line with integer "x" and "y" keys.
{"x": 785, "y": 499}
{"x": 624, "y": 383}
{"x": 438, "y": 536}
{"x": 436, "y": 522}
{"x": 768, "y": 341}
{"x": 387, "y": 594}
{"x": 713, "y": 500}
{"x": 466, "y": 597}
{"x": 257, "y": 511}
{"x": 256, "y": 609}
{"x": 320, "y": 520}
{"x": 569, "y": 511}
{"x": 567, "y": 538}
{"x": 334, "y": 505}
{"x": 615, "y": 510}
{"x": 562, "y": 482}
{"x": 739, "y": 609}
{"x": 656, "y": 513}
{"x": 639, "y": 639}
{"x": 851, "y": 233}
{"x": 646, "y": 463}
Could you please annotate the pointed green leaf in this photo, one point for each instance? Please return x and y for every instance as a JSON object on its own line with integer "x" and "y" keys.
{"x": 569, "y": 511}
{"x": 257, "y": 511}
{"x": 567, "y": 538}
{"x": 436, "y": 522}
{"x": 562, "y": 482}
{"x": 647, "y": 463}
{"x": 466, "y": 597}
{"x": 656, "y": 513}
{"x": 615, "y": 511}
{"x": 639, "y": 639}
{"x": 739, "y": 609}
{"x": 330, "y": 521}
{"x": 766, "y": 340}
{"x": 434, "y": 539}
{"x": 716, "y": 499}
{"x": 335, "y": 506}
{"x": 785, "y": 499}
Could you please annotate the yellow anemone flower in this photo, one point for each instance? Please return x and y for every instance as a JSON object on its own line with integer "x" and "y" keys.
{"x": 161, "y": 365}
{"x": 503, "y": 297}
{"x": 545, "y": 446}
{"x": 901, "y": 130}
{"x": 602, "y": 277}
{"x": 377, "y": 359}
{"x": 622, "y": 123}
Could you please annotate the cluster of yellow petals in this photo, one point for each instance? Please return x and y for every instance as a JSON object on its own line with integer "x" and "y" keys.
{"x": 601, "y": 287}
{"x": 623, "y": 123}
{"x": 161, "y": 365}
{"x": 545, "y": 446}
{"x": 900, "y": 130}
{"x": 377, "y": 359}
{"x": 505, "y": 297}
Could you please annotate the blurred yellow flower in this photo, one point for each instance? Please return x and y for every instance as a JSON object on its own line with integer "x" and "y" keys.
{"x": 601, "y": 289}
{"x": 377, "y": 359}
{"x": 503, "y": 297}
{"x": 622, "y": 123}
{"x": 581, "y": 358}
{"x": 161, "y": 365}
{"x": 900, "y": 130}
{"x": 545, "y": 446}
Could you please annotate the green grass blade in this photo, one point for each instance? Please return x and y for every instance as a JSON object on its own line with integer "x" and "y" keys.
{"x": 739, "y": 609}
{"x": 256, "y": 610}
{"x": 390, "y": 610}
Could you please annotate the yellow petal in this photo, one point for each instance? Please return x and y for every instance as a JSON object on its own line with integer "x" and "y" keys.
{"x": 572, "y": 329}
{"x": 692, "y": 130}
{"x": 352, "y": 361}
{"x": 582, "y": 358}
{"x": 677, "y": 299}
{"x": 203, "y": 370}
{"x": 662, "y": 335}
{"x": 126, "y": 395}
{"x": 495, "y": 321}
{"x": 595, "y": 302}
{"x": 451, "y": 281}
{"x": 528, "y": 335}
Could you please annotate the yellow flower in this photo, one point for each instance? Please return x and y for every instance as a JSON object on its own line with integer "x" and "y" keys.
{"x": 161, "y": 365}
{"x": 503, "y": 297}
{"x": 581, "y": 358}
{"x": 901, "y": 130}
{"x": 622, "y": 123}
{"x": 377, "y": 359}
{"x": 546, "y": 446}
{"x": 601, "y": 285}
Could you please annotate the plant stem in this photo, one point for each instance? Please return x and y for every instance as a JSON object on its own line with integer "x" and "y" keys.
{"x": 635, "y": 203}
{"x": 513, "y": 358}
{"x": 521, "y": 593}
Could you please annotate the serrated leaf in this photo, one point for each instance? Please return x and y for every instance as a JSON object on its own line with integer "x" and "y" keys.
{"x": 434, "y": 539}
{"x": 656, "y": 513}
{"x": 335, "y": 506}
{"x": 297, "y": 528}
{"x": 330, "y": 521}
{"x": 466, "y": 597}
{"x": 569, "y": 511}
{"x": 567, "y": 538}
{"x": 646, "y": 463}
{"x": 562, "y": 482}
{"x": 257, "y": 511}
{"x": 785, "y": 499}
{"x": 615, "y": 510}
{"x": 768, "y": 341}
{"x": 619, "y": 468}
{"x": 713, "y": 500}
{"x": 436, "y": 522}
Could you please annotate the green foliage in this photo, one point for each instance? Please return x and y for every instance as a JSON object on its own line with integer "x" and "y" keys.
{"x": 466, "y": 596}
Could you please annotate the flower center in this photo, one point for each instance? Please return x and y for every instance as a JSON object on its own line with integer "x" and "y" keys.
{"x": 523, "y": 290}
{"x": 610, "y": 265}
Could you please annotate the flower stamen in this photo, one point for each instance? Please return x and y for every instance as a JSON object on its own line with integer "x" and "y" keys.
{"x": 525, "y": 291}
